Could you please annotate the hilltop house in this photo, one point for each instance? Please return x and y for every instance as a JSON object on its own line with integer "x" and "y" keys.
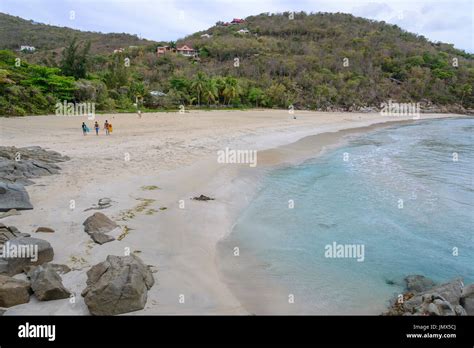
{"x": 27, "y": 48}
{"x": 164, "y": 49}
{"x": 243, "y": 31}
{"x": 237, "y": 21}
{"x": 206, "y": 36}
{"x": 187, "y": 51}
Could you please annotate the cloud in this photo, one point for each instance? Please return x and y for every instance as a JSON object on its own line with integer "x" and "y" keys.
{"x": 373, "y": 10}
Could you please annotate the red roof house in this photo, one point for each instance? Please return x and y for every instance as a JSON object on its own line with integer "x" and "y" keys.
{"x": 186, "y": 51}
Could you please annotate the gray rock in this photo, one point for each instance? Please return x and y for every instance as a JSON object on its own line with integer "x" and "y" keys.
{"x": 450, "y": 292}
{"x": 59, "y": 268}
{"x": 117, "y": 285}
{"x": 459, "y": 310}
{"x": 467, "y": 299}
{"x": 203, "y": 198}
{"x": 14, "y": 196}
{"x": 47, "y": 284}
{"x": 433, "y": 309}
{"x": 98, "y": 222}
{"x": 101, "y": 238}
{"x": 44, "y": 230}
{"x": 13, "y": 291}
{"x": 418, "y": 283}
{"x": 37, "y": 252}
{"x": 10, "y": 232}
{"x": 104, "y": 201}
{"x": 2, "y": 310}
{"x": 19, "y": 165}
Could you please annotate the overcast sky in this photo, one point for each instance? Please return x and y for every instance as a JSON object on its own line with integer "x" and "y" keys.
{"x": 447, "y": 21}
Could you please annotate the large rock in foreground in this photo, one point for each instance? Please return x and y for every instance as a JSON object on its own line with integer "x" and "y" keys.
{"x": 13, "y": 291}
{"x": 14, "y": 196}
{"x": 47, "y": 284}
{"x": 441, "y": 300}
{"x": 467, "y": 299}
{"x": 450, "y": 292}
{"x": 21, "y": 252}
{"x": 118, "y": 285}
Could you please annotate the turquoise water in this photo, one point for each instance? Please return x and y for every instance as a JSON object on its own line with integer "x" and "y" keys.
{"x": 358, "y": 202}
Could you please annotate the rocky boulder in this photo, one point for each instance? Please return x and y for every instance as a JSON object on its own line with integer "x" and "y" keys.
{"x": 21, "y": 252}
{"x": 467, "y": 299}
{"x": 14, "y": 196}
{"x": 20, "y": 165}
{"x": 101, "y": 238}
{"x": 441, "y": 300}
{"x": 97, "y": 225}
{"x": 418, "y": 283}
{"x": 47, "y": 284}
{"x": 118, "y": 285}
{"x": 99, "y": 222}
{"x": 450, "y": 292}
{"x": 9, "y": 232}
{"x": 13, "y": 291}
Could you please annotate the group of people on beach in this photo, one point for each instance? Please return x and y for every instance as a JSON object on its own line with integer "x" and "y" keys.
{"x": 107, "y": 127}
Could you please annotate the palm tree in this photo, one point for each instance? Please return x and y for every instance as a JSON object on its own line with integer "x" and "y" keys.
{"x": 210, "y": 91}
{"x": 231, "y": 90}
{"x": 198, "y": 85}
{"x": 220, "y": 85}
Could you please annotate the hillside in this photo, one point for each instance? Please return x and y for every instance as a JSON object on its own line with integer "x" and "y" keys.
{"x": 15, "y": 32}
{"x": 314, "y": 61}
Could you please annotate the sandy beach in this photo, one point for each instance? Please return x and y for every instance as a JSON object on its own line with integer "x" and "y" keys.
{"x": 151, "y": 167}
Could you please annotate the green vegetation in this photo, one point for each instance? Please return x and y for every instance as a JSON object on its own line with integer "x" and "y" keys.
{"x": 315, "y": 61}
{"x": 150, "y": 188}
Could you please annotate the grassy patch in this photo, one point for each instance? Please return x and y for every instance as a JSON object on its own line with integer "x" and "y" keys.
{"x": 125, "y": 231}
{"x": 140, "y": 208}
{"x": 150, "y": 188}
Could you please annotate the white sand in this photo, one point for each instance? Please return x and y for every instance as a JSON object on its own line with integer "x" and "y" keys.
{"x": 177, "y": 153}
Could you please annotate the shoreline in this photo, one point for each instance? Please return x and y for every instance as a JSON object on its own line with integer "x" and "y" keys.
{"x": 180, "y": 243}
{"x": 292, "y": 154}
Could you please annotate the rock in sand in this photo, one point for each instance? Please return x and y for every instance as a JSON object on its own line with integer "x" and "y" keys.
{"x": 47, "y": 284}
{"x": 118, "y": 285}
{"x": 13, "y": 291}
{"x": 14, "y": 196}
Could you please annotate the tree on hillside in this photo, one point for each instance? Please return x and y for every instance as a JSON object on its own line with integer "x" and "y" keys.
{"x": 256, "y": 96}
{"x": 210, "y": 91}
{"x": 74, "y": 61}
{"x": 231, "y": 90}
{"x": 117, "y": 74}
{"x": 198, "y": 85}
